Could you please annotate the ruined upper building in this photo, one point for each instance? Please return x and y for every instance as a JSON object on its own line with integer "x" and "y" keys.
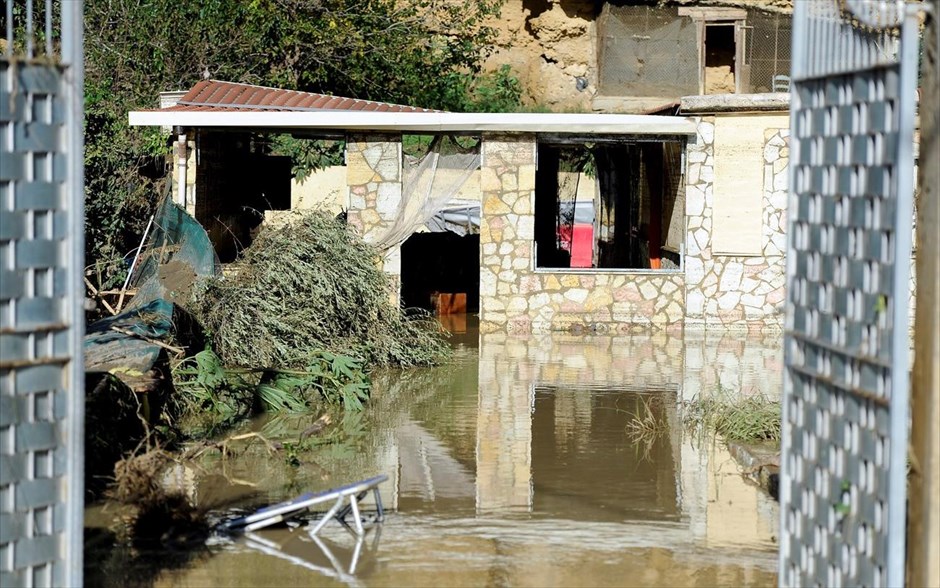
{"x": 636, "y": 55}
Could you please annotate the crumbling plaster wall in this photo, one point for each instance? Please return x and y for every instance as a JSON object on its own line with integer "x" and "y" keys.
{"x": 550, "y": 45}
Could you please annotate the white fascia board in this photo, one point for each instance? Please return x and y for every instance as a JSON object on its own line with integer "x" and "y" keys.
{"x": 417, "y": 122}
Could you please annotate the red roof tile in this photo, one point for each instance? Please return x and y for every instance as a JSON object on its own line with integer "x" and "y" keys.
{"x": 217, "y": 96}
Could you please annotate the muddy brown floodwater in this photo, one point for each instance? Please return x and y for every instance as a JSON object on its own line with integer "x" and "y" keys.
{"x": 521, "y": 463}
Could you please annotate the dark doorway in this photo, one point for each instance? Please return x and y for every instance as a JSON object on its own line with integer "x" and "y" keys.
{"x": 440, "y": 263}
{"x": 719, "y": 59}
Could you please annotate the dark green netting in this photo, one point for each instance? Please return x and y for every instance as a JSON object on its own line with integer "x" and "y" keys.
{"x": 176, "y": 255}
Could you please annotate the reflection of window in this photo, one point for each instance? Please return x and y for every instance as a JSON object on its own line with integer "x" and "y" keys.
{"x": 614, "y": 204}
{"x": 579, "y": 467}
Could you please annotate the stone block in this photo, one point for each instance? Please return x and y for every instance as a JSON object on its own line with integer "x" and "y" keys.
{"x": 358, "y": 171}
{"x": 728, "y": 301}
{"x": 389, "y": 169}
{"x": 356, "y": 201}
{"x": 507, "y": 276}
{"x": 489, "y": 181}
{"x": 731, "y": 277}
{"x": 494, "y": 205}
{"x": 372, "y": 153}
{"x": 517, "y": 305}
{"x": 598, "y": 299}
{"x": 706, "y": 132}
{"x": 523, "y": 204}
{"x": 526, "y": 228}
{"x": 707, "y": 174}
{"x": 540, "y": 302}
{"x": 695, "y": 303}
{"x": 778, "y": 140}
{"x": 487, "y": 284}
{"x": 578, "y": 295}
{"x": 388, "y": 199}
{"x": 526, "y": 176}
{"x": 694, "y": 200}
{"x": 771, "y": 153}
{"x": 750, "y": 300}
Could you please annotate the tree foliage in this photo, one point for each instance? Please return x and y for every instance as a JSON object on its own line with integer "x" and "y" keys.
{"x": 421, "y": 52}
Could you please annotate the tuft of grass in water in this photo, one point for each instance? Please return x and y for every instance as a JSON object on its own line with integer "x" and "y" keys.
{"x": 750, "y": 418}
{"x": 647, "y": 423}
{"x": 644, "y": 424}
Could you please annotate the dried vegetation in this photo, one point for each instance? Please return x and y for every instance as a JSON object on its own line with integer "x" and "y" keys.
{"x": 309, "y": 284}
{"x": 748, "y": 419}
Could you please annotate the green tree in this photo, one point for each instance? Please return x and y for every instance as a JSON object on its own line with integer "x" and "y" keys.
{"x": 421, "y": 52}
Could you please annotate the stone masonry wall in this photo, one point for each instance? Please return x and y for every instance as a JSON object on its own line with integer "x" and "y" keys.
{"x": 735, "y": 291}
{"x": 374, "y": 176}
{"x": 516, "y": 297}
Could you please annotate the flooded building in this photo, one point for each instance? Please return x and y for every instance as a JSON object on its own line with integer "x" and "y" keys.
{"x": 584, "y": 222}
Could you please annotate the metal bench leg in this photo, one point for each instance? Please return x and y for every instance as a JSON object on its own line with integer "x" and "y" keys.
{"x": 327, "y": 516}
{"x": 354, "y": 504}
{"x": 355, "y": 558}
{"x": 346, "y": 509}
{"x": 379, "y": 509}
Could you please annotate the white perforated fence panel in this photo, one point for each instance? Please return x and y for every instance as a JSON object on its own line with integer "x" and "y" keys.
{"x": 41, "y": 321}
{"x": 843, "y": 486}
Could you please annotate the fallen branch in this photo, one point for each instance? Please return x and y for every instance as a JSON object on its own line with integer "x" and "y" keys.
{"x": 129, "y": 333}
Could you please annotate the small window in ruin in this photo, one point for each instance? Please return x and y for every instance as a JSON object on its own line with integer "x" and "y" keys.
{"x": 609, "y": 204}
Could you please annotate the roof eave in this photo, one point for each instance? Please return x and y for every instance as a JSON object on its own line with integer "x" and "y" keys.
{"x": 422, "y": 122}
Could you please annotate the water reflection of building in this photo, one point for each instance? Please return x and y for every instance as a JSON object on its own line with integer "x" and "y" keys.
{"x": 515, "y": 470}
{"x": 581, "y": 381}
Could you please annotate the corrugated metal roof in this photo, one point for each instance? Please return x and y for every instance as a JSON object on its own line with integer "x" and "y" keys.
{"x": 218, "y": 96}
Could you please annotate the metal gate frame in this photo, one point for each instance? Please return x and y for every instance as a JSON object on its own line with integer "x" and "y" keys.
{"x": 846, "y": 383}
{"x": 42, "y": 396}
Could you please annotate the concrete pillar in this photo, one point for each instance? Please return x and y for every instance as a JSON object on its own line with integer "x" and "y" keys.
{"x": 923, "y": 565}
{"x": 374, "y": 180}
{"x": 182, "y": 160}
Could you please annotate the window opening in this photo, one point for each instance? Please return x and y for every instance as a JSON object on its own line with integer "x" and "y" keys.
{"x": 609, "y": 205}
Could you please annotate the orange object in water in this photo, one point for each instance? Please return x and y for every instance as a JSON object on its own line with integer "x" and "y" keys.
{"x": 455, "y": 323}
{"x": 449, "y": 302}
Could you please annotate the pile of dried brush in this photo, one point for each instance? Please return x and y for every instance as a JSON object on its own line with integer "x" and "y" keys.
{"x": 311, "y": 284}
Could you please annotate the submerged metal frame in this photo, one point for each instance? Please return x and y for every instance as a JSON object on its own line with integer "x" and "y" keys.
{"x": 345, "y": 501}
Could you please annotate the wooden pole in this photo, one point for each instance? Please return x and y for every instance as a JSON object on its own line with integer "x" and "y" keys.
{"x": 923, "y": 556}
